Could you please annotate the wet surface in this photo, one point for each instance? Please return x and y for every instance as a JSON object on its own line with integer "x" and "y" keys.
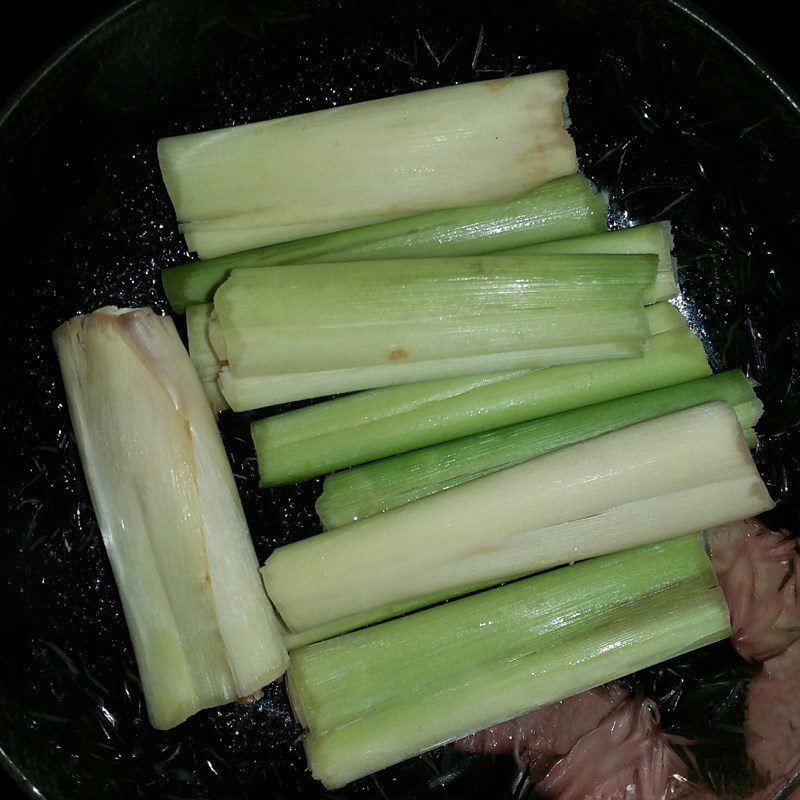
{"x": 666, "y": 118}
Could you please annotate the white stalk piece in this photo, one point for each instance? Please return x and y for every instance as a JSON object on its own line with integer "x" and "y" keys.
{"x": 649, "y": 482}
{"x": 339, "y": 167}
{"x": 172, "y": 523}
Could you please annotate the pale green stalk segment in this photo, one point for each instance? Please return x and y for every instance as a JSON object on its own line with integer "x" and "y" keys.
{"x": 653, "y": 238}
{"x": 480, "y": 141}
{"x": 363, "y": 619}
{"x": 376, "y": 487}
{"x": 568, "y": 206}
{"x": 391, "y": 289}
{"x": 319, "y": 317}
{"x": 256, "y": 353}
{"x": 286, "y": 454}
{"x": 161, "y": 485}
{"x": 244, "y": 394}
{"x": 339, "y": 680}
{"x": 412, "y": 383}
{"x": 203, "y": 356}
{"x": 660, "y": 478}
{"x": 627, "y": 520}
{"x": 355, "y": 410}
{"x": 643, "y": 633}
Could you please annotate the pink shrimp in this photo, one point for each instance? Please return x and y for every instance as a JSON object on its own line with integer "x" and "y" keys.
{"x": 626, "y": 757}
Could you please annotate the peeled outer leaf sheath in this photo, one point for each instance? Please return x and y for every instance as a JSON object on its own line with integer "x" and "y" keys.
{"x": 660, "y": 478}
{"x": 372, "y": 488}
{"x": 637, "y": 635}
{"x": 484, "y": 141}
{"x": 344, "y": 678}
{"x": 337, "y": 316}
{"x": 568, "y": 206}
{"x": 169, "y": 512}
{"x": 302, "y": 444}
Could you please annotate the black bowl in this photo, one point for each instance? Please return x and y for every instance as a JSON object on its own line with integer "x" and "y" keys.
{"x": 670, "y": 117}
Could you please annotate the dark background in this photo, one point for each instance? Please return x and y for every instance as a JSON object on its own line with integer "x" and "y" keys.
{"x": 765, "y": 27}
{"x": 768, "y": 31}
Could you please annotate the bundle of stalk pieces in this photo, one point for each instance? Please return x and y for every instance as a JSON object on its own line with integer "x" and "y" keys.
{"x": 525, "y": 397}
{"x": 345, "y": 167}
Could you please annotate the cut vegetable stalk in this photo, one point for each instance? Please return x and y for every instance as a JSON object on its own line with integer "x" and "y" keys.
{"x": 342, "y": 679}
{"x": 301, "y": 444}
{"x": 309, "y": 317}
{"x": 482, "y": 142}
{"x": 244, "y": 394}
{"x": 206, "y": 361}
{"x": 202, "y": 628}
{"x": 634, "y": 636}
{"x": 373, "y": 488}
{"x": 363, "y": 619}
{"x": 641, "y": 239}
{"x": 569, "y": 206}
{"x": 660, "y": 478}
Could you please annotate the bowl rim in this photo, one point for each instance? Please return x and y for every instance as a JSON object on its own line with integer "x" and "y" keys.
{"x": 684, "y": 7}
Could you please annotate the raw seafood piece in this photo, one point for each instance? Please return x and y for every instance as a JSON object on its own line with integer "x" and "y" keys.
{"x": 758, "y": 571}
{"x": 626, "y": 757}
{"x": 538, "y": 738}
{"x": 773, "y": 721}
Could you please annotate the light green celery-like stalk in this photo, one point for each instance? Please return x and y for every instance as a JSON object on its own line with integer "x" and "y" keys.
{"x": 362, "y": 619}
{"x": 329, "y": 436}
{"x": 244, "y": 394}
{"x": 170, "y": 516}
{"x": 342, "y": 679}
{"x": 659, "y": 479}
{"x": 354, "y": 622}
{"x": 569, "y": 206}
{"x": 307, "y": 317}
{"x": 636, "y": 636}
{"x": 205, "y": 360}
{"x": 481, "y": 142}
{"x": 376, "y": 487}
{"x": 655, "y": 237}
